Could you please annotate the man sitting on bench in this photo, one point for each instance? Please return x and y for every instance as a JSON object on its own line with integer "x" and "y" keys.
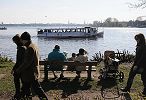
{"x": 56, "y": 55}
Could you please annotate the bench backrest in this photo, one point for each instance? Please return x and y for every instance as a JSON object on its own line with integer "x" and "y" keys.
{"x": 69, "y": 63}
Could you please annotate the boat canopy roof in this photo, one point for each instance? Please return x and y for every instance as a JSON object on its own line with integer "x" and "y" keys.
{"x": 68, "y": 28}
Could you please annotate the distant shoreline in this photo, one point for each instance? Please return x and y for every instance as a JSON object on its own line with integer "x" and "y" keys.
{"x": 64, "y": 25}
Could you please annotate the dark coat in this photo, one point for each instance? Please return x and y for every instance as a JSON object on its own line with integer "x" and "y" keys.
{"x": 140, "y": 59}
{"x": 29, "y": 69}
{"x": 19, "y": 56}
{"x": 56, "y": 55}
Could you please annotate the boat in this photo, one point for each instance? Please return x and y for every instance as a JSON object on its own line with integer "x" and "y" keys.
{"x": 3, "y": 28}
{"x": 84, "y": 32}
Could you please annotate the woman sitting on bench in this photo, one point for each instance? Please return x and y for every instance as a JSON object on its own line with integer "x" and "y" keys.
{"x": 82, "y": 58}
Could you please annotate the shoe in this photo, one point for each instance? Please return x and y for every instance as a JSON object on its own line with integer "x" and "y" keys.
{"x": 125, "y": 90}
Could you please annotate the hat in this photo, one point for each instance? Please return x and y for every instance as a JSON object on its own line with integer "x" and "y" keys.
{"x": 25, "y": 36}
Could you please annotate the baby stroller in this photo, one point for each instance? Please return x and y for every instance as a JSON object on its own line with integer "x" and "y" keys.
{"x": 111, "y": 65}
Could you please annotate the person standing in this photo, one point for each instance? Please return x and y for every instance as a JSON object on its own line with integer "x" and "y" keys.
{"x": 139, "y": 65}
{"x": 19, "y": 59}
{"x": 29, "y": 69}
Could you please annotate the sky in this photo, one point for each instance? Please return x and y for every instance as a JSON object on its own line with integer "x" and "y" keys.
{"x": 67, "y": 11}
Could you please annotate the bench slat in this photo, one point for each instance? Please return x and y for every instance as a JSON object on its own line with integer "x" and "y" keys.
{"x": 69, "y": 63}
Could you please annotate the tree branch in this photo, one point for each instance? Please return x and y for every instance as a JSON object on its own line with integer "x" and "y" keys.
{"x": 141, "y": 3}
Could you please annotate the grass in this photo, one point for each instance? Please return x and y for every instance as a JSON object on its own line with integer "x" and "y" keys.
{"x": 6, "y": 83}
{"x": 62, "y": 88}
{"x": 137, "y": 83}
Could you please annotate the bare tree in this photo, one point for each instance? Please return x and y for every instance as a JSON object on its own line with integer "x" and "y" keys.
{"x": 139, "y": 4}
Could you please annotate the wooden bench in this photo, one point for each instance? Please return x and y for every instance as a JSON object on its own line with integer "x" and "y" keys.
{"x": 89, "y": 66}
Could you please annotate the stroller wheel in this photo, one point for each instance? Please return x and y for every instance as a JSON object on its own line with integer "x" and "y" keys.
{"x": 121, "y": 75}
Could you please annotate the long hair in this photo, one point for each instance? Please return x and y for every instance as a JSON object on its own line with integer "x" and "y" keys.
{"x": 141, "y": 39}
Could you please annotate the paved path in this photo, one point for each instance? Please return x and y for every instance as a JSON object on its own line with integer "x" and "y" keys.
{"x": 2, "y": 75}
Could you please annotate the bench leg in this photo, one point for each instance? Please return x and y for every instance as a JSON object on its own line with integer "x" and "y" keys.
{"x": 45, "y": 72}
{"x": 89, "y": 73}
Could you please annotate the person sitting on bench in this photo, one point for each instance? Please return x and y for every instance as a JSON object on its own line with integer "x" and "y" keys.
{"x": 56, "y": 55}
{"x": 82, "y": 58}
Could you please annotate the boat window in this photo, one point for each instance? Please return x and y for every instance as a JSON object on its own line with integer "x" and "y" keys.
{"x": 88, "y": 30}
{"x": 60, "y": 30}
{"x": 45, "y": 30}
{"x": 49, "y": 30}
{"x": 55, "y": 31}
{"x": 73, "y": 30}
{"x": 78, "y": 30}
{"x": 67, "y": 30}
{"x": 82, "y": 30}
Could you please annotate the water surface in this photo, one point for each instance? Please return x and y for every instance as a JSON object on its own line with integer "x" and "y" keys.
{"x": 113, "y": 39}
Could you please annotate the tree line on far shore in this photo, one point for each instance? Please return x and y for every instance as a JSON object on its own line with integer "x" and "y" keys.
{"x": 113, "y": 22}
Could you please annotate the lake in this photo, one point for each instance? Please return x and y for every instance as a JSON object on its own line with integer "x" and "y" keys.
{"x": 113, "y": 39}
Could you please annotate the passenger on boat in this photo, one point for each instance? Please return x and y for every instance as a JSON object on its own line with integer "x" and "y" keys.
{"x": 56, "y": 55}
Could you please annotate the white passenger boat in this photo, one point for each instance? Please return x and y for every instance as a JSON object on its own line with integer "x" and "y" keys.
{"x": 85, "y": 32}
